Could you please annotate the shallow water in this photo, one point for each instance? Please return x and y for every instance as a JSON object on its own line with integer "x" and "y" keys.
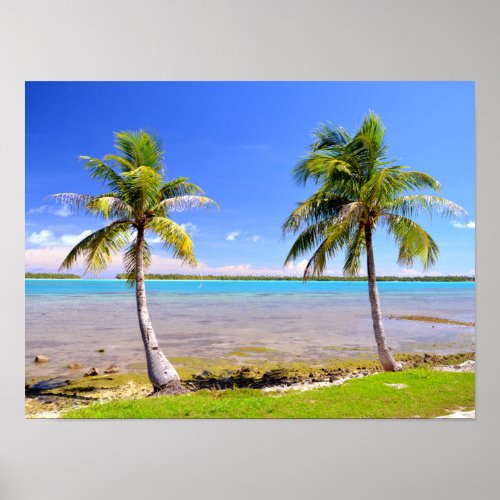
{"x": 70, "y": 320}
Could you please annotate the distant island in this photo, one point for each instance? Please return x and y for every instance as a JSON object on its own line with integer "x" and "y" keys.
{"x": 51, "y": 276}
{"x": 211, "y": 277}
{"x": 296, "y": 278}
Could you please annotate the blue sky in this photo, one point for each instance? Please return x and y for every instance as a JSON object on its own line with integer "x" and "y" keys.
{"x": 240, "y": 141}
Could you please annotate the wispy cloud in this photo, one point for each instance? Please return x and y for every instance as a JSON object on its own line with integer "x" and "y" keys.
{"x": 153, "y": 240}
{"x": 233, "y": 235}
{"x": 296, "y": 267}
{"x": 190, "y": 228}
{"x": 63, "y": 211}
{"x": 414, "y": 273}
{"x": 468, "y": 225}
{"x": 46, "y": 238}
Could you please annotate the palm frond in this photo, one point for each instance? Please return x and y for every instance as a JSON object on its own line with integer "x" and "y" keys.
{"x": 180, "y": 187}
{"x": 331, "y": 235}
{"x": 140, "y": 149}
{"x": 174, "y": 238}
{"x": 355, "y": 247}
{"x": 307, "y": 240}
{"x": 122, "y": 163}
{"x": 108, "y": 206}
{"x": 142, "y": 188}
{"x": 336, "y": 237}
{"x": 100, "y": 171}
{"x": 186, "y": 202}
{"x": 387, "y": 183}
{"x": 328, "y": 136}
{"x": 73, "y": 201}
{"x": 370, "y": 139}
{"x": 326, "y": 165}
{"x": 411, "y": 205}
{"x": 320, "y": 206}
{"x": 98, "y": 248}
{"x": 413, "y": 241}
{"x": 130, "y": 260}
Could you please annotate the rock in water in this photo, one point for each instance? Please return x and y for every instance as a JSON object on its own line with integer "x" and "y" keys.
{"x": 91, "y": 373}
{"x": 41, "y": 359}
{"x": 112, "y": 369}
{"x": 74, "y": 366}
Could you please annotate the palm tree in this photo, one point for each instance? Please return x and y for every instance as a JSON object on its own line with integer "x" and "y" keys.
{"x": 138, "y": 200}
{"x": 359, "y": 190}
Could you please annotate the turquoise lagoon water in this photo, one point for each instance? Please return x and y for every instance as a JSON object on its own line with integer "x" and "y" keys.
{"x": 69, "y": 320}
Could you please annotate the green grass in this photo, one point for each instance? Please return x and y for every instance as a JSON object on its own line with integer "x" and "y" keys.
{"x": 429, "y": 394}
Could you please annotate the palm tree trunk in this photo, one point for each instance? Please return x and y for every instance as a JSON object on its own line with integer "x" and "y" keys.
{"x": 161, "y": 372}
{"x": 384, "y": 353}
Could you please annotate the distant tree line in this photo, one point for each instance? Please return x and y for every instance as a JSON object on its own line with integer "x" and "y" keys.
{"x": 295, "y": 278}
{"x": 52, "y": 276}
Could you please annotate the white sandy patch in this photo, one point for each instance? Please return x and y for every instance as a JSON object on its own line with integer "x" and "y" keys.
{"x": 397, "y": 386}
{"x": 466, "y": 366}
{"x": 307, "y": 386}
{"x": 45, "y": 414}
{"x": 461, "y": 414}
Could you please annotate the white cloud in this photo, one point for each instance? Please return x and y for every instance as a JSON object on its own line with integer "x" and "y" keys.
{"x": 409, "y": 272}
{"x": 43, "y": 238}
{"x": 190, "y": 228}
{"x": 73, "y": 239}
{"x": 298, "y": 267}
{"x": 39, "y": 210}
{"x": 470, "y": 225}
{"x": 413, "y": 273}
{"x": 63, "y": 211}
{"x": 233, "y": 235}
{"x": 154, "y": 241}
{"x": 46, "y": 238}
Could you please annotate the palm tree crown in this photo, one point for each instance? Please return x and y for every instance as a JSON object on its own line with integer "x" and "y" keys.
{"x": 360, "y": 189}
{"x": 137, "y": 199}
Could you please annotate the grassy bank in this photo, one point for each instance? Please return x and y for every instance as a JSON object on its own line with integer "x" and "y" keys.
{"x": 215, "y": 374}
{"x": 427, "y": 394}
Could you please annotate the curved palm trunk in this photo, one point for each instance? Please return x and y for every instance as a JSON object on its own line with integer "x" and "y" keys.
{"x": 384, "y": 353}
{"x": 161, "y": 372}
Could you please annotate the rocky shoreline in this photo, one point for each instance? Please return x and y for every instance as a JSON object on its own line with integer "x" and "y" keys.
{"x": 49, "y": 398}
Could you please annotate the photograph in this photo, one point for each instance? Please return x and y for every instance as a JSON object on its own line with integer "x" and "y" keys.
{"x": 250, "y": 250}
